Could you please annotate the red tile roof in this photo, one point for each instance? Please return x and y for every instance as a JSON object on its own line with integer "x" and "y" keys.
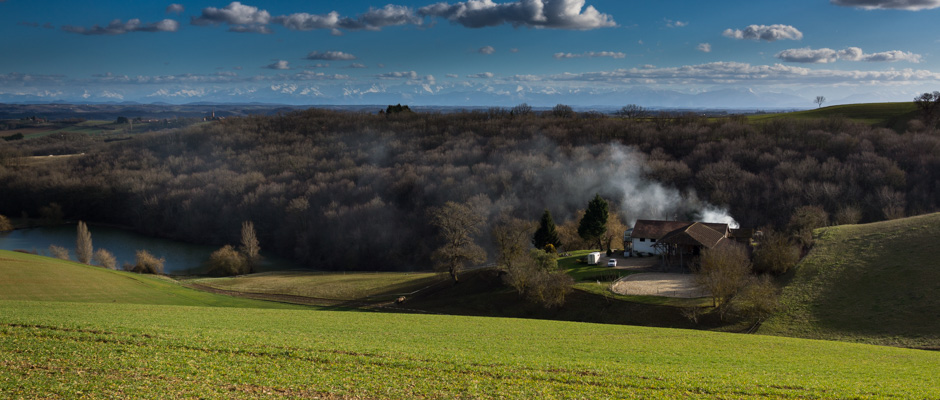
{"x": 653, "y": 229}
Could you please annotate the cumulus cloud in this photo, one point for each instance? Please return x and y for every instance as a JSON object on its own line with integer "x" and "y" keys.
{"x": 704, "y": 47}
{"x": 398, "y": 75}
{"x": 175, "y": 9}
{"x": 826, "y": 55}
{"x": 451, "y": 75}
{"x": 482, "y": 75}
{"x": 553, "y": 14}
{"x": 117, "y": 27}
{"x": 330, "y": 56}
{"x": 589, "y": 54}
{"x": 279, "y": 64}
{"x": 373, "y": 20}
{"x": 356, "y": 66}
{"x": 911, "y": 5}
{"x": 487, "y": 50}
{"x": 768, "y": 33}
{"x": 239, "y": 17}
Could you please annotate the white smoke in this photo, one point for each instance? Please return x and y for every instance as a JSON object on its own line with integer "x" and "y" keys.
{"x": 623, "y": 171}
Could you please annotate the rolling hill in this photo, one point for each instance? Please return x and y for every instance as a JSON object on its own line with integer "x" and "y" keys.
{"x": 37, "y": 278}
{"x": 874, "y": 283}
{"x": 68, "y": 330}
{"x": 885, "y": 115}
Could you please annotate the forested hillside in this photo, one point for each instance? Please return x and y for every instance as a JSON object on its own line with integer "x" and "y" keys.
{"x": 353, "y": 191}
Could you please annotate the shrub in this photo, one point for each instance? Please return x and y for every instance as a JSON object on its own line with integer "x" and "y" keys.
{"x": 105, "y": 259}
{"x": 757, "y": 301}
{"x": 146, "y": 263}
{"x": 59, "y": 252}
{"x": 776, "y": 253}
{"x": 227, "y": 261}
{"x": 5, "y": 224}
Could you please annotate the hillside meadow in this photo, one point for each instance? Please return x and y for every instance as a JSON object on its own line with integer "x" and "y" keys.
{"x": 872, "y": 283}
{"x": 156, "y": 344}
{"x": 56, "y": 349}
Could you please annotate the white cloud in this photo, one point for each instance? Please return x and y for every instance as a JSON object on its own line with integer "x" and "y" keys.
{"x": 826, "y": 55}
{"x": 704, "y": 47}
{"x": 911, "y": 5}
{"x": 280, "y": 64}
{"x": 589, "y": 54}
{"x": 373, "y": 20}
{"x": 452, "y": 75}
{"x": 117, "y": 27}
{"x": 482, "y": 75}
{"x": 398, "y": 75}
{"x": 768, "y": 33}
{"x": 356, "y": 65}
{"x": 487, "y": 50}
{"x": 675, "y": 24}
{"x": 513, "y": 50}
{"x": 554, "y": 14}
{"x": 330, "y": 56}
{"x": 175, "y": 9}
{"x": 239, "y": 17}
{"x": 736, "y": 73}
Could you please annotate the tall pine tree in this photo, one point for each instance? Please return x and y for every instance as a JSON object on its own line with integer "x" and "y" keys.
{"x": 594, "y": 223}
{"x": 546, "y": 233}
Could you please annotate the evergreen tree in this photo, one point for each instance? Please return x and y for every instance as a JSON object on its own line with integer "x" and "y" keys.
{"x": 546, "y": 233}
{"x": 594, "y": 223}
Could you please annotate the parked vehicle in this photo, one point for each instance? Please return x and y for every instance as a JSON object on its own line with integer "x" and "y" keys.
{"x": 594, "y": 258}
{"x": 612, "y": 262}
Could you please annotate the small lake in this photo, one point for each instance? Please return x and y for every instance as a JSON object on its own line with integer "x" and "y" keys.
{"x": 180, "y": 257}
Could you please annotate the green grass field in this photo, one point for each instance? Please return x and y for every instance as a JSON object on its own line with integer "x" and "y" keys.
{"x": 888, "y": 115}
{"x": 133, "y": 336}
{"x": 62, "y": 350}
{"x": 874, "y": 283}
{"x": 32, "y": 277}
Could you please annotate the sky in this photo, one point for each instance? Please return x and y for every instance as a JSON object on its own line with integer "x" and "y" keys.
{"x": 584, "y": 53}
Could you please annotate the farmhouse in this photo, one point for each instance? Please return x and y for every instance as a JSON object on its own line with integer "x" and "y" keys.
{"x": 647, "y": 235}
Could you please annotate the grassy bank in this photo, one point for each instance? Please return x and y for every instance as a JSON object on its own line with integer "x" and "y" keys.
{"x": 873, "y": 283}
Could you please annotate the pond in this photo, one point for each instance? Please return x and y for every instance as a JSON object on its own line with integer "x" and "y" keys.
{"x": 180, "y": 258}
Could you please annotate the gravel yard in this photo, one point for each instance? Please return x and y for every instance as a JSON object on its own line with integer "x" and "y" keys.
{"x": 659, "y": 284}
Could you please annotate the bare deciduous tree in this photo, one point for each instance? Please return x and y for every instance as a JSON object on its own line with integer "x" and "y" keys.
{"x": 819, "y": 101}
{"x": 83, "y": 247}
{"x": 227, "y": 261}
{"x": 250, "y": 247}
{"x": 5, "y": 224}
{"x": 146, "y": 263}
{"x": 59, "y": 252}
{"x": 104, "y": 259}
{"x": 457, "y": 224}
{"x": 723, "y": 271}
{"x": 632, "y": 111}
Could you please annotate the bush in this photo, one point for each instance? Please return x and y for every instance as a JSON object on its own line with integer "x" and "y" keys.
{"x": 227, "y": 262}
{"x": 5, "y": 224}
{"x": 59, "y": 252}
{"x": 756, "y": 301}
{"x": 146, "y": 263}
{"x": 105, "y": 259}
{"x": 776, "y": 254}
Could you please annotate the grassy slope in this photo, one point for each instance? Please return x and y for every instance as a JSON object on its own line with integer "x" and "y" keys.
{"x": 31, "y": 277}
{"x": 145, "y": 351}
{"x": 889, "y": 115}
{"x": 875, "y": 283}
{"x": 332, "y": 286}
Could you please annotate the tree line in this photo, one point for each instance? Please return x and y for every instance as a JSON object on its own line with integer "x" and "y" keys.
{"x": 340, "y": 190}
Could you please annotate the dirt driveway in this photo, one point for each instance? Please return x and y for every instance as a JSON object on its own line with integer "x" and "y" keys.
{"x": 659, "y": 284}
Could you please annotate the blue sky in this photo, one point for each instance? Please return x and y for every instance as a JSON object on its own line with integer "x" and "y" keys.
{"x": 665, "y": 53}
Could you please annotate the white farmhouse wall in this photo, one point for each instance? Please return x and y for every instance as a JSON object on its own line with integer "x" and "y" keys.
{"x": 644, "y": 246}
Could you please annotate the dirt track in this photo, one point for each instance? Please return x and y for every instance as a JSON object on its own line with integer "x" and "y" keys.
{"x": 659, "y": 284}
